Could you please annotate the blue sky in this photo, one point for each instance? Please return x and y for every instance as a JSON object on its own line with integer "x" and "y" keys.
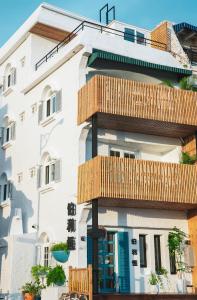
{"x": 143, "y": 13}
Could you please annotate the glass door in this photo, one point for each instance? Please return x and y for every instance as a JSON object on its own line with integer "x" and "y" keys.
{"x": 107, "y": 278}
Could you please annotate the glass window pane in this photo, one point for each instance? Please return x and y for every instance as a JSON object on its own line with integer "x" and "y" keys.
{"x": 142, "y": 245}
{"x": 140, "y": 38}
{"x": 47, "y": 175}
{"x": 129, "y": 35}
{"x": 5, "y": 188}
{"x": 48, "y": 107}
{"x": 157, "y": 247}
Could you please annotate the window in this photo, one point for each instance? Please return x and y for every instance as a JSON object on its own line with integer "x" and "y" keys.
{"x": 51, "y": 105}
{"x": 157, "y": 248}
{"x": 9, "y": 78}
{"x": 114, "y": 153}
{"x": 140, "y": 38}
{"x": 49, "y": 171}
{"x": 20, "y": 177}
{"x": 46, "y": 256}
{"x": 5, "y": 188}
{"x": 142, "y": 246}
{"x": 129, "y": 35}
{"x": 8, "y": 133}
{"x": 129, "y": 155}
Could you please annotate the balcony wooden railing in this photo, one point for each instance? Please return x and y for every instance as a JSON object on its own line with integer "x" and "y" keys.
{"x": 80, "y": 281}
{"x": 121, "y": 97}
{"x": 130, "y": 179}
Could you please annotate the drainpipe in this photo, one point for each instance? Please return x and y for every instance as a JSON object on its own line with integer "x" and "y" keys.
{"x": 95, "y": 211}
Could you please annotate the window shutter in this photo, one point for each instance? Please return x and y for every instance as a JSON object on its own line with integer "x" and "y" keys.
{"x": 4, "y": 83}
{"x": 13, "y": 76}
{"x": 40, "y": 112}
{"x": 2, "y": 130}
{"x": 13, "y": 131}
{"x": 39, "y": 176}
{"x": 58, "y": 100}
{"x": 10, "y": 189}
{"x": 123, "y": 262}
{"x": 58, "y": 170}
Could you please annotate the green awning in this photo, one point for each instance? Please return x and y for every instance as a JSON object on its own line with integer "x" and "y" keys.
{"x": 99, "y": 54}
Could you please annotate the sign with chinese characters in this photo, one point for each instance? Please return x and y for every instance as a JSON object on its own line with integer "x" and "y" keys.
{"x": 71, "y": 225}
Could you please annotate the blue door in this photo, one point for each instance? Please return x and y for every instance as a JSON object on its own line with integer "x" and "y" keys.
{"x": 123, "y": 262}
{"x": 107, "y": 278}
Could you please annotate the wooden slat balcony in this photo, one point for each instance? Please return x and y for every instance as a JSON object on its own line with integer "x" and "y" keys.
{"x": 138, "y": 107}
{"x": 137, "y": 183}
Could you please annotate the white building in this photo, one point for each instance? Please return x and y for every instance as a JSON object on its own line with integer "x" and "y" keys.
{"x": 42, "y": 146}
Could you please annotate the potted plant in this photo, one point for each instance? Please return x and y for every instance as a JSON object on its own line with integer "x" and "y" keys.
{"x": 56, "y": 276}
{"x": 38, "y": 272}
{"x": 188, "y": 159}
{"x": 176, "y": 245}
{"x": 29, "y": 291}
{"x": 154, "y": 283}
{"x": 60, "y": 252}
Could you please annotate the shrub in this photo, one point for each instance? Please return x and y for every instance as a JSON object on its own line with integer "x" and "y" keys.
{"x": 56, "y": 276}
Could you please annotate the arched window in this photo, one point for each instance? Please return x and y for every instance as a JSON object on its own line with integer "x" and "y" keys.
{"x": 44, "y": 249}
{"x": 5, "y": 188}
{"x": 50, "y": 104}
{"x": 9, "y": 78}
{"x": 49, "y": 170}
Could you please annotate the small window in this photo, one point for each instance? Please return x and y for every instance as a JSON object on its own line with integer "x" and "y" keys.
{"x": 8, "y": 133}
{"x": 129, "y": 155}
{"x": 157, "y": 247}
{"x": 9, "y": 80}
{"x": 5, "y": 192}
{"x": 51, "y": 105}
{"x": 129, "y": 35}
{"x": 140, "y": 38}
{"x": 46, "y": 256}
{"x": 142, "y": 246}
{"x": 49, "y": 173}
{"x": 20, "y": 177}
{"x": 114, "y": 153}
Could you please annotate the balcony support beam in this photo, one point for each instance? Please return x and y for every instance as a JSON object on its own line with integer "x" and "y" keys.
{"x": 95, "y": 211}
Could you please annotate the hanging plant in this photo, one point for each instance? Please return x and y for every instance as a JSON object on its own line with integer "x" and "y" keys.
{"x": 60, "y": 252}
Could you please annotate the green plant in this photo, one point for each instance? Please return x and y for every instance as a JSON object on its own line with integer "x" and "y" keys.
{"x": 59, "y": 247}
{"x": 153, "y": 279}
{"x": 163, "y": 272}
{"x": 56, "y": 276}
{"x": 186, "y": 83}
{"x": 39, "y": 271}
{"x": 30, "y": 287}
{"x": 176, "y": 245}
{"x": 186, "y": 158}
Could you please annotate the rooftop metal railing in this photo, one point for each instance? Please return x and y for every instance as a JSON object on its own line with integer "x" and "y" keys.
{"x": 102, "y": 29}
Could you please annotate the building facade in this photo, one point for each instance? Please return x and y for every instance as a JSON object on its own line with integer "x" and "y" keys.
{"x": 85, "y": 119}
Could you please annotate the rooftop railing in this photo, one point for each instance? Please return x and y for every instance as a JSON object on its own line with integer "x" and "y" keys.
{"x": 102, "y": 29}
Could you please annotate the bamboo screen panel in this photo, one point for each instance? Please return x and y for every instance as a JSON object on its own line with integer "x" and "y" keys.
{"x": 136, "y": 99}
{"x": 122, "y": 178}
{"x": 80, "y": 281}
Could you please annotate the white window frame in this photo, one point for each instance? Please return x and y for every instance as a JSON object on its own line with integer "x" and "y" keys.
{"x": 4, "y": 201}
{"x": 122, "y": 151}
{"x": 12, "y": 128}
{"x": 51, "y": 173}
